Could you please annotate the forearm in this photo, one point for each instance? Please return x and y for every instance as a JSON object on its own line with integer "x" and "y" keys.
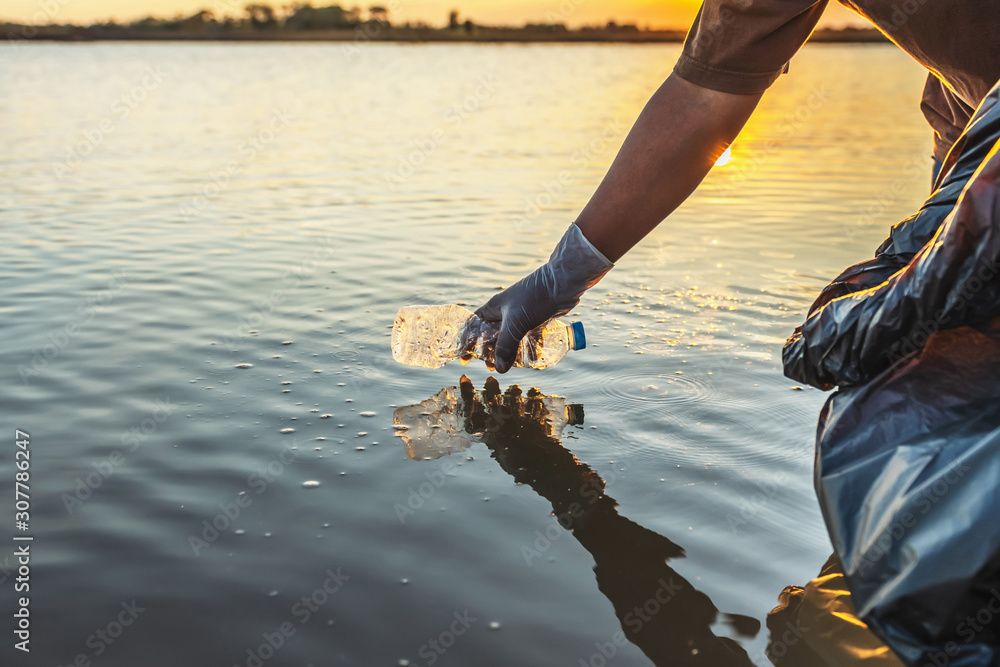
{"x": 677, "y": 138}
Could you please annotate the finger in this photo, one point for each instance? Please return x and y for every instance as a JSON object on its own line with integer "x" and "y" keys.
{"x": 506, "y": 349}
{"x": 491, "y": 389}
{"x": 466, "y": 389}
{"x": 492, "y": 310}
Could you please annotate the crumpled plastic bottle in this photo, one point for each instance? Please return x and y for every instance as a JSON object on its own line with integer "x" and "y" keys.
{"x": 431, "y": 336}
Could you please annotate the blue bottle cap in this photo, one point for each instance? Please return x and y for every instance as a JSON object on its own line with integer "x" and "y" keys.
{"x": 579, "y": 337}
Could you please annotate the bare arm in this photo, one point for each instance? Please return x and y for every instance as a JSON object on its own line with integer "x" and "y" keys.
{"x": 677, "y": 138}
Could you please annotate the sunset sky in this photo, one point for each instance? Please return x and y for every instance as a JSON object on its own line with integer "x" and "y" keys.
{"x": 661, "y": 14}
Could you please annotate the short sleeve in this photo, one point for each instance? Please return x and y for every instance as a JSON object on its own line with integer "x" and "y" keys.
{"x": 945, "y": 113}
{"x": 742, "y": 46}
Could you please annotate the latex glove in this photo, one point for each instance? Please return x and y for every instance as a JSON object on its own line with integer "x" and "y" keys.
{"x": 553, "y": 289}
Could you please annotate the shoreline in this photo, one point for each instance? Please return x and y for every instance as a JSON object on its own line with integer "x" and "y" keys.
{"x": 377, "y": 33}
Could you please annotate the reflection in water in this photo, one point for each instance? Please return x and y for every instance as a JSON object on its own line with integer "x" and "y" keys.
{"x": 660, "y": 611}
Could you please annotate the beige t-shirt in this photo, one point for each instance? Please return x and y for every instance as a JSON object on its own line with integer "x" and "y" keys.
{"x": 741, "y": 46}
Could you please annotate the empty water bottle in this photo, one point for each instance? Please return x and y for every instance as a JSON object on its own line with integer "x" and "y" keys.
{"x": 431, "y": 336}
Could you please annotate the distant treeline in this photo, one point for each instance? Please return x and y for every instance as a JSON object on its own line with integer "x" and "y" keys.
{"x": 335, "y": 23}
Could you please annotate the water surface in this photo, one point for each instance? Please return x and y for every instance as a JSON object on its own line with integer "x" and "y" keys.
{"x": 204, "y": 249}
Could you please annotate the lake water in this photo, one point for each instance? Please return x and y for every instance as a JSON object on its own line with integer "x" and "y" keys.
{"x": 204, "y": 249}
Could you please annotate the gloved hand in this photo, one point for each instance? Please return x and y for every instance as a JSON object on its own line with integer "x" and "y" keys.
{"x": 553, "y": 289}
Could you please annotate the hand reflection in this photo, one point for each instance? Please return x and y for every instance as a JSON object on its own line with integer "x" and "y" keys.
{"x": 659, "y": 611}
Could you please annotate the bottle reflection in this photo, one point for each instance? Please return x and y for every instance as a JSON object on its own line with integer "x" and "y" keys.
{"x": 659, "y": 610}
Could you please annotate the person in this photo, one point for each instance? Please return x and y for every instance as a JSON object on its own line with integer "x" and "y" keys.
{"x": 906, "y": 472}
{"x": 734, "y": 51}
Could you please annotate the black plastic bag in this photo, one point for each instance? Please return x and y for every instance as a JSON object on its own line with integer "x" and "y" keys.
{"x": 908, "y": 472}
